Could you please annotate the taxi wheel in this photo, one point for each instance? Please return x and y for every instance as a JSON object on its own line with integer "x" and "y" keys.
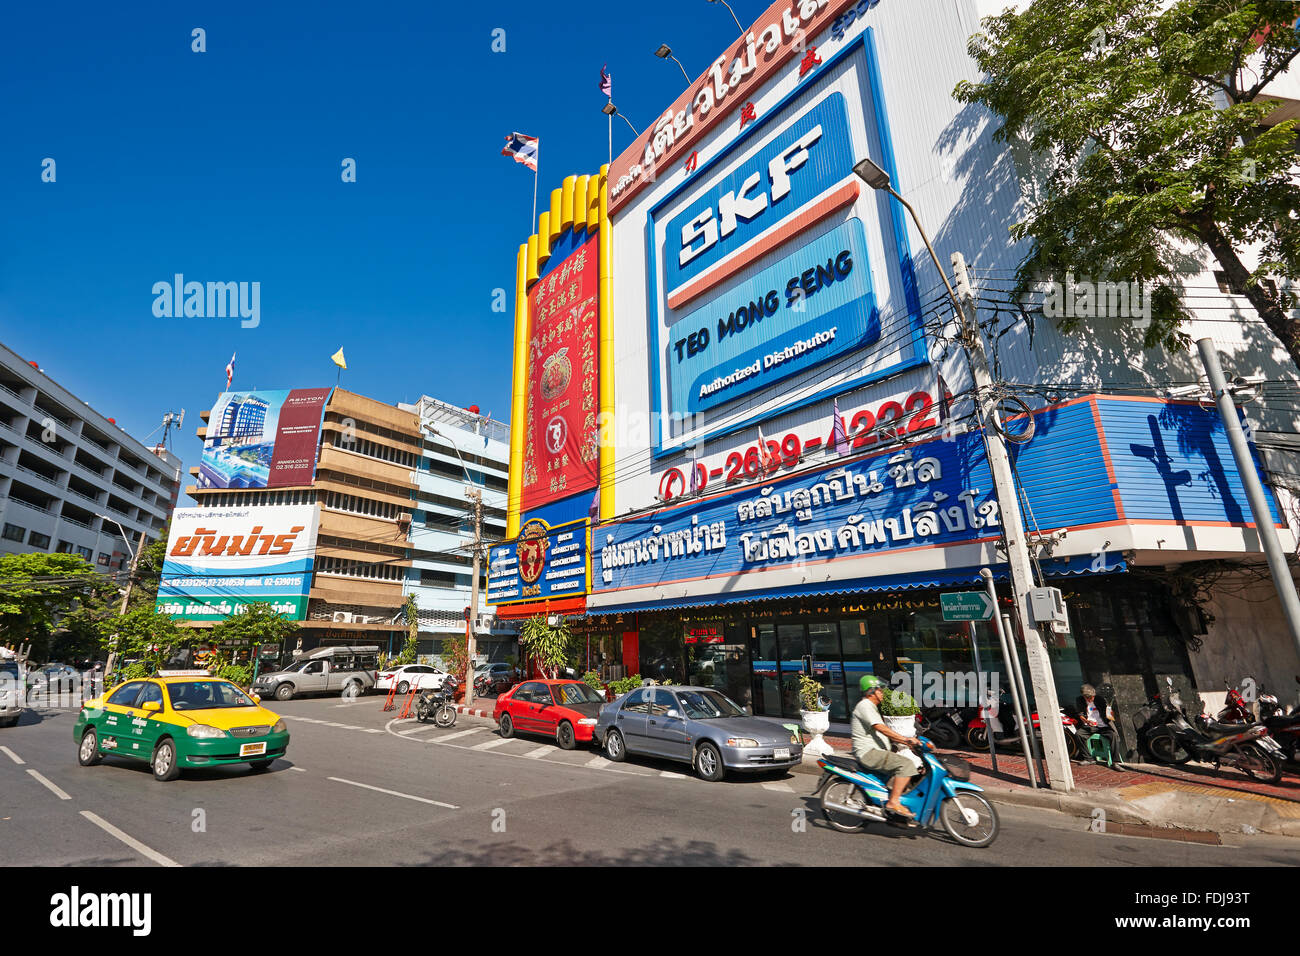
{"x": 564, "y": 736}
{"x": 88, "y": 752}
{"x": 260, "y": 766}
{"x": 165, "y": 765}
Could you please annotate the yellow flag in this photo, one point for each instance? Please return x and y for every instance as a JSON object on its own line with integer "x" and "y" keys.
{"x": 339, "y": 360}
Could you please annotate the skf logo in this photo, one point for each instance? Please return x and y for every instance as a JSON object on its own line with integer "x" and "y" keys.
{"x": 531, "y": 550}
{"x": 205, "y": 543}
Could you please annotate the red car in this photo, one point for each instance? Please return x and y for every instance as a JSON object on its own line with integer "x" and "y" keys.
{"x": 564, "y": 710}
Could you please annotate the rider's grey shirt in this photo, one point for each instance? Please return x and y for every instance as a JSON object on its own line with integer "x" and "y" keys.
{"x": 865, "y": 737}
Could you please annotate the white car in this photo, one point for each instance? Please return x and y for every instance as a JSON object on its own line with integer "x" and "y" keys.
{"x": 419, "y": 676}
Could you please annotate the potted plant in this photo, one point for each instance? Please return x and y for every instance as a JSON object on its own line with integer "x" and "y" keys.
{"x": 899, "y": 710}
{"x": 816, "y": 714}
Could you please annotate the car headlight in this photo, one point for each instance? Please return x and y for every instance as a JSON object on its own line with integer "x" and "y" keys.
{"x": 741, "y": 742}
{"x": 280, "y": 727}
{"x": 203, "y": 731}
{"x": 588, "y": 722}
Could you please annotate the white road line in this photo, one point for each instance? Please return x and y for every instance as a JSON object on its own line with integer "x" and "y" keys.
{"x": 130, "y": 841}
{"x": 780, "y": 786}
{"x": 539, "y": 753}
{"x": 394, "y": 793}
{"x": 299, "y": 769}
{"x": 370, "y": 730}
{"x": 460, "y": 733}
{"x": 488, "y": 745}
{"x": 13, "y": 756}
{"x": 598, "y": 762}
{"x": 49, "y": 786}
{"x": 669, "y": 775}
{"x": 416, "y": 730}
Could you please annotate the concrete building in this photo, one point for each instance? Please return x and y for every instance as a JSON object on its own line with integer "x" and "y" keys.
{"x": 67, "y": 473}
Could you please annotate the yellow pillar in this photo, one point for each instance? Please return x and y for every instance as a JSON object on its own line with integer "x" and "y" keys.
{"x": 519, "y": 394}
{"x": 607, "y": 406}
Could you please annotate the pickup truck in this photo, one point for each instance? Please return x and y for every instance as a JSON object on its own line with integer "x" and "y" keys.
{"x": 350, "y": 671}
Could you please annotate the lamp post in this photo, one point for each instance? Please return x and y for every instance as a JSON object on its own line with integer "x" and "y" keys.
{"x": 732, "y": 12}
{"x": 665, "y": 52}
{"x": 126, "y": 593}
{"x": 1013, "y": 525}
{"x": 609, "y": 109}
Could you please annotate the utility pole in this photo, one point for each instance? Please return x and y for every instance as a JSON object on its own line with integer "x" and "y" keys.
{"x": 1059, "y": 772}
{"x": 476, "y": 496}
{"x": 126, "y": 596}
{"x": 1282, "y": 580}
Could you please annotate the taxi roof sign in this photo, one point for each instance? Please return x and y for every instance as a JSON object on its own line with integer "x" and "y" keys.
{"x": 186, "y": 673}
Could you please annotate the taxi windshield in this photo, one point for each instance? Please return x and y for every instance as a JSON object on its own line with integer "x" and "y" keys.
{"x": 207, "y": 695}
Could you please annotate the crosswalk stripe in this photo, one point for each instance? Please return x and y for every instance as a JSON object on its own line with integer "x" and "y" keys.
{"x": 669, "y": 775}
{"x": 539, "y": 752}
{"x": 460, "y": 733}
{"x": 598, "y": 762}
{"x": 488, "y": 745}
{"x": 780, "y": 786}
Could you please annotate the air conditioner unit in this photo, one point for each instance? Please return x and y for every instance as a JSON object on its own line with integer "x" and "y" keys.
{"x": 342, "y": 617}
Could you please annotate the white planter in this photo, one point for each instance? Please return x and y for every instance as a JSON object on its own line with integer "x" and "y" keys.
{"x": 902, "y": 725}
{"x": 817, "y": 722}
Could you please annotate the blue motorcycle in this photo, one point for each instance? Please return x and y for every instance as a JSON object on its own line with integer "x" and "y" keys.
{"x": 851, "y": 798}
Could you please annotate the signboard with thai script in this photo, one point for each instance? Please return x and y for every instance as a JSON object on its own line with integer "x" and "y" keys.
{"x": 266, "y": 438}
{"x": 560, "y": 437}
{"x": 544, "y": 562}
{"x": 966, "y": 606}
{"x": 220, "y": 560}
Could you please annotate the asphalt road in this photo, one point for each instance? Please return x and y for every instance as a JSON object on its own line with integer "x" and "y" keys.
{"x": 358, "y": 788}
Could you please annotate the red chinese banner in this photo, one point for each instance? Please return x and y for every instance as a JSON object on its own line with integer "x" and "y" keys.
{"x": 560, "y": 436}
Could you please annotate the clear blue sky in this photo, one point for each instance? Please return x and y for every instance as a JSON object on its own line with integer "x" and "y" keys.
{"x": 225, "y": 166}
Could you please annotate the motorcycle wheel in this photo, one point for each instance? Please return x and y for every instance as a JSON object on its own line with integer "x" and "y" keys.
{"x": 1073, "y": 746}
{"x": 446, "y": 716}
{"x": 421, "y": 712}
{"x": 845, "y": 793}
{"x": 983, "y": 832}
{"x": 945, "y": 735}
{"x": 1268, "y": 768}
{"x": 977, "y": 738}
{"x": 1165, "y": 748}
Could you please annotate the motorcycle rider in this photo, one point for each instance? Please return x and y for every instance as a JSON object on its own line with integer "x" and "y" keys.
{"x": 871, "y": 745}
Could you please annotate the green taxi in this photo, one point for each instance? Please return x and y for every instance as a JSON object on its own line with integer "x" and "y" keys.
{"x": 177, "y": 721}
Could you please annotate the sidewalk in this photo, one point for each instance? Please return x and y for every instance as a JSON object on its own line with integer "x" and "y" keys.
{"x": 1195, "y": 799}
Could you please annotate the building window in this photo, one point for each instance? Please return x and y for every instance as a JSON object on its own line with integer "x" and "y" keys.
{"x": 14, "y": 533}
{"x": 86, "y": 553}
{"x": 38, "y": 540}
{"x": 104, "y": 559}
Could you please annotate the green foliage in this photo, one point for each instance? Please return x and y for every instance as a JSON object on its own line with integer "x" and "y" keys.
{"x": 241, "y": 674}
{"x": 592, "y": 680}
{"x": 408, "y": 653}
{"x": 455, "y": 657}
{"x": 145, "y": 634}
{"x": 810, "y": 693}
{"x": 896, "y": 703}
{"x": 548, "y": 645}
{"x": 1144, "y": 129}
{"x": 625, "y": 684}
{"x": 137, "y": 671}
{"x": 37, "y": 589}
{"x": 258, "y": 624}
{"x": 148, "y": 570}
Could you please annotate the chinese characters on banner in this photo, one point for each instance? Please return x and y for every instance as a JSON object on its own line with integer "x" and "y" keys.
{"x": 560, "y": 435}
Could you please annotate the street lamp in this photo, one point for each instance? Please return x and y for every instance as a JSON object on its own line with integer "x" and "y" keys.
{"x": 878, "y": 179}
{"x": 665, "y": 52}
{"x": 609, "y": 109}
{"x": 731, "y": 11}
{"x": 126, "y": 592}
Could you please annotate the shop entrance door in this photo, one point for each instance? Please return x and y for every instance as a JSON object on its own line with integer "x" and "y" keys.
{"x": 782, "y": 653}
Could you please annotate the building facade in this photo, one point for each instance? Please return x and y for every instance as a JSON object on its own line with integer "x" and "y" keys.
{"x": 71, "y": 480}
{"x": 792, "y": 471}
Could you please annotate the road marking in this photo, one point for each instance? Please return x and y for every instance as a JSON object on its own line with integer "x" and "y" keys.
{"x": 394, "y": 793}
{"x": 780, "y": 786}
{"x": 669, "y": 775}
{"x": 299, "y": 769}
{"x": 460, "y": 733}
{"x": 488, "y": 745}
{"x": 49, "y": 786}
{"x": 598, "y": 762}
{"x": 13, "y": 756}
{"x": 130, "y": 841}
{"x": 370, "y": 730}
{"x": 538, "y": 753}
{"x": 416, "y": 730}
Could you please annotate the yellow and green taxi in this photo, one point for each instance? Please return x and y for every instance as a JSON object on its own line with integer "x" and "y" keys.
{"x": 179, "y": 720}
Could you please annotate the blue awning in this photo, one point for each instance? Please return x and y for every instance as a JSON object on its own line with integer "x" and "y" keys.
{"x": 1052, "y": 568}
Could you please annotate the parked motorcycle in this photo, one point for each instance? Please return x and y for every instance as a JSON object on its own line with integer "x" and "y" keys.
{"x": 943, "y": 725}
{"x": 1248, "y": 747}
{"x": 439, "y": 703}
{"x": 851, "y": 798}
{"x": 1282, "y": 727}
{"x": 977, "y": 733}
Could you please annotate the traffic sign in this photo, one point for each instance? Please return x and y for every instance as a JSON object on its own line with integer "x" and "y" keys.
{"x": 966, "y": 606}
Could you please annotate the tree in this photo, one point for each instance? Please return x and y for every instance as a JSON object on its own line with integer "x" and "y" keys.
{"x": 258, "y": 623}
{"x": 547, "y": 644}
{"x": 144, "y": 634}
{"x": 148, "y": 569}
{"x": 37, "y": 590}
{"x": 1147, "y": 122}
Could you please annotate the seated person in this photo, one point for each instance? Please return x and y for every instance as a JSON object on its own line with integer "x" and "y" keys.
{"x": 871, "y": 745}
{"x": 1095, "y": 716}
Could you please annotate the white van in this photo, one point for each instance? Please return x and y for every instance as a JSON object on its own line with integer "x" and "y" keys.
{"x": 13, "y": 685}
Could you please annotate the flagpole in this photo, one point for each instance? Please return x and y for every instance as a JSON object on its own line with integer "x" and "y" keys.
{"x": 533, "y": 225}
{"x": 610, "y": 117}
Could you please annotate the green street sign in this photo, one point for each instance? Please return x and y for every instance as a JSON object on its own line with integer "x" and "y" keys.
{"x": 966, "y": 606}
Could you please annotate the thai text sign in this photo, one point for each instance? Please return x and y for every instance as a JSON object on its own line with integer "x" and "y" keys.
{"x": 219, "y": 560}
{"x": 544, "y": 562}
{"x": 560, "y": 436}
{"x": 966, "y": 606}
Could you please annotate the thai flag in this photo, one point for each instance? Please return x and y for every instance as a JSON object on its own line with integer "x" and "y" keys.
{"x": 230, "y": 370}
{"x": 606, "y": 81}
{"x": 523, "y": 148}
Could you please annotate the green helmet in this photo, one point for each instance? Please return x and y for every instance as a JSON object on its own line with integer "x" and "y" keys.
{"x": 869, "y": 683}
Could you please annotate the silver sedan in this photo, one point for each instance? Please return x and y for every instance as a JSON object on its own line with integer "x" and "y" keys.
{"x": 696, "y": 725}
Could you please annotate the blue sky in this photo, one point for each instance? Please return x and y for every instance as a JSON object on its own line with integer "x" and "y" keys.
{"x": 225, "y": 166}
